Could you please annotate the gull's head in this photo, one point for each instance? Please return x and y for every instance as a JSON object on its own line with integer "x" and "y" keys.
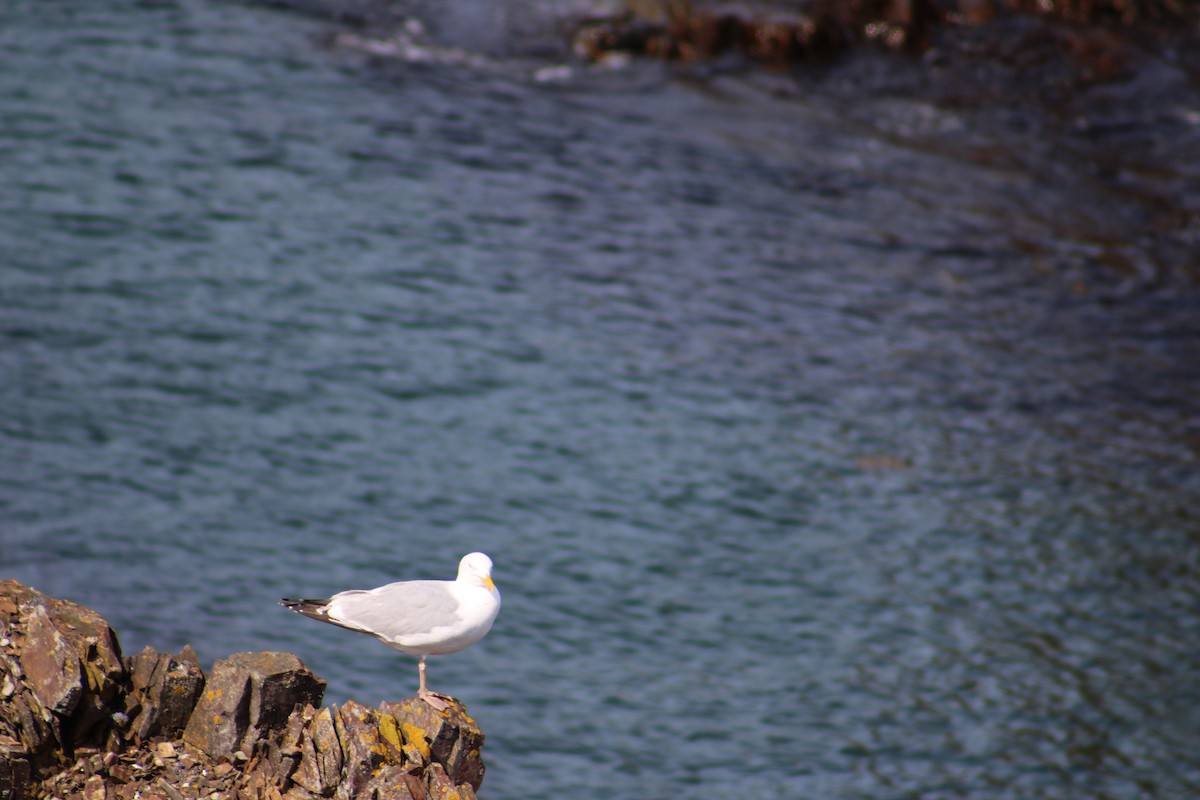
{"x": 476, "y": 568}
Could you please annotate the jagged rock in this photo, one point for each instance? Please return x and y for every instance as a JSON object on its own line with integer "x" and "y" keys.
{"x": 320, "y": 766}
{"x": 77, "y": 722}
{"x": 247, "y": 696}
{"x": 95, "y": 789}
{"x": 16, "y": 772}
{"x": 61, "y": 675}
{"x": 441, "y": 787}
{"x": 51, "y": 665}
{"x": 279, "y": 683}
{"x": 454, "y": 740}
{"x": 165, "y": 690}
{"x": 366, "y": 749}
{"x": 35, "y": 735}
{"x": 405, "y": 750}
{"x": 222, "y": 715}
{"x": 392, "y": 783}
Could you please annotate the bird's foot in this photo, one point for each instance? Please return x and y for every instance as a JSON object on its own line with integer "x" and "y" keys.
{"x": 438, "y": 701}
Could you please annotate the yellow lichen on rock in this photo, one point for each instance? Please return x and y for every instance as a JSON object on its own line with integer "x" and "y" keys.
{"x": 388, "y": 730}
{"x": 415, "y": 736}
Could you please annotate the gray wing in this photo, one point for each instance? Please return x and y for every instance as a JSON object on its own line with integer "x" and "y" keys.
{"x": 396, "y": 611}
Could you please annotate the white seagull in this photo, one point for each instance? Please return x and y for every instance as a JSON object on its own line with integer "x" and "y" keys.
{"x": 421, "y": 618}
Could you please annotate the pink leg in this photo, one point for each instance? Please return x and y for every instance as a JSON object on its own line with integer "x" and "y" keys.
{"x": 433, "y": 699}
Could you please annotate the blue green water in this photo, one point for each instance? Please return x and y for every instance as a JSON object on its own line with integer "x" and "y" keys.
{"x": 813, "y": 464}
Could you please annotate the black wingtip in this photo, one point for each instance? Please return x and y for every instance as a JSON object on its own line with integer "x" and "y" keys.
{"x": 309, "y": 608}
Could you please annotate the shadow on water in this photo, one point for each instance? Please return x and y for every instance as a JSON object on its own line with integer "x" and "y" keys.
{"x": 833, "y": 432}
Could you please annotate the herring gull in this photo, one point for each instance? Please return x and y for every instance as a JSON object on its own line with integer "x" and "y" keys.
{"x": 420, "y": 618}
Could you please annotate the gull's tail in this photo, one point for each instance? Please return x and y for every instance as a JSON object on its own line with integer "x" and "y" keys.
{"x": 317, "y": 609}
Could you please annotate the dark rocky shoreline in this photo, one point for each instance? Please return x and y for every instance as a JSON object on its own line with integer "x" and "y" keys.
{"x": 779, "y": 34}
{"x": 79, "y": 721}
{"x": 1105, "y": 91}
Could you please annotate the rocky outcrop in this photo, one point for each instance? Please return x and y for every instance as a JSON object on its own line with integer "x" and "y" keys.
{"x": 781, "y": 34}
{"x": 79, "y": 721}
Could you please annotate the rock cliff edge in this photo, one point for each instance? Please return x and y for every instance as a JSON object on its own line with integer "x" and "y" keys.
{"x": 79, "y": 721}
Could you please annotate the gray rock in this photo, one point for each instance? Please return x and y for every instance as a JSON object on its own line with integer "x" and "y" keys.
{"x": 441, "y": 787}
{"x": 454, "y": 739}
{"x": 394, "y": 782}
{"x": 320, "y": 767}
{"x": 222, "y": 715}
{"x": 365, "y": 749}
{"x": 165, "y": 690}
{"x": 279, "y": 683}
{"x": 247, "y": 696}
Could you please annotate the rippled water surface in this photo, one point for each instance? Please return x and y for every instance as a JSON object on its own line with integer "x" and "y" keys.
{"x": 813, "y": 464}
